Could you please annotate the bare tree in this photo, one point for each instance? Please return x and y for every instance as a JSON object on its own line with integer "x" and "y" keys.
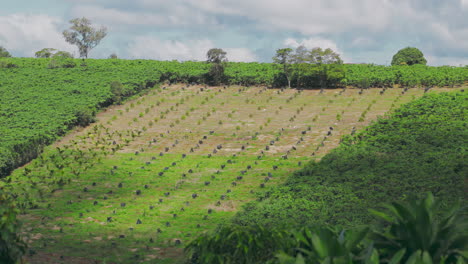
{"x": 83, "y": 35}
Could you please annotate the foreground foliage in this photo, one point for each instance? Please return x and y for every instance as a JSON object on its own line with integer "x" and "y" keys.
{"x": 412, "y": 234}
{"x": 12, "y": 246}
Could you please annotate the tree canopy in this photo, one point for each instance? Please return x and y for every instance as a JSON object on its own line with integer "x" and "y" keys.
{"x": 409, "y": 56}
{"x": 216, "y": 55}
{"x": 83, "y": 35}
{"x": 4, "y": 53}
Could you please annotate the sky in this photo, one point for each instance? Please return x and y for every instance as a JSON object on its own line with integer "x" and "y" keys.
{"x": 361, "y": 31}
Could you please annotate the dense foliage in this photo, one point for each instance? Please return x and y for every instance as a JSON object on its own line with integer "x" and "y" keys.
{"x": 420, "y": 148}
{"x": 409, "y": 56}
{"x": 38, "y": 104}
{"x": 411, "y": 234}
{"x": 12, "y": 246}
{"x": 4, "y": 53}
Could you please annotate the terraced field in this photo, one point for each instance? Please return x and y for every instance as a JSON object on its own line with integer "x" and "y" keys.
{"x": 150, "y": 175}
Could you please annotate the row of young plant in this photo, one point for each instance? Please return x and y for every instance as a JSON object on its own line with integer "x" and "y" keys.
{"x": 40, "y": 102}
{"x": 418, "y": 149}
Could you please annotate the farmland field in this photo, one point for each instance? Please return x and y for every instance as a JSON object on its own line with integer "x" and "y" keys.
{"x": 151, "y": 174}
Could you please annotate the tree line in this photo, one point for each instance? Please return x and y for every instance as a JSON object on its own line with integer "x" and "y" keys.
{"x": 295, "y": 63}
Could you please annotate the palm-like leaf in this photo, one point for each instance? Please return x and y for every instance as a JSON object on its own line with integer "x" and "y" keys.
{"x": 416, "y": 228}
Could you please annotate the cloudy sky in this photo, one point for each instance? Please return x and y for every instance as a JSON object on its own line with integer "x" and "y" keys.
{"x": 249, "y": 30}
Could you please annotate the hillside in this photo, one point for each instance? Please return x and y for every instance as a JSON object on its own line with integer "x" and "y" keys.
{"x": 39, "y": 103}
{"x": 419, "y": 148}
{"x": 127, "y": 175}
{"x": 177, "y": 160}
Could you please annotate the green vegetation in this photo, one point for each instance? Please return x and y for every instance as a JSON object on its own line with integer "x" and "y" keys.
{"x": 55, "y": 101}
{"x": 409, "y": 56}
{"x": 12, "y": 245}
{"x": 153, "y": 174}
{"x": 34, "y": 111}
{"x": 217, "y": 58}
{"x": 417, "y": 149}
{"x": 156, "y": 151}
{"x": 412, "y": 234}
{"x": 4, "y": 53}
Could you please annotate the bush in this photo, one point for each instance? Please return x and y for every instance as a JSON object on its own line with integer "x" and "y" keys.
{"x": 412, "y": 234}
{"x": 408, "y": 56}
{"x": 4, "y": 53}
{"x": 7, "y": 64}
{"x": 61, "y": 59}
{"x": 45, "y": 53}
{"x": 12, "y": 246}
{"x": 117, "y": 91}
{"x": 237, "y": 245}
{"x": 85, "y": 117}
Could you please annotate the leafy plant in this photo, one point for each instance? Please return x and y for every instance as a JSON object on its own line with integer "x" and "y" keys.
{"x": 236, "y": 245}
{"x": 12, "y": 246}
{"x": 416, "y": 228}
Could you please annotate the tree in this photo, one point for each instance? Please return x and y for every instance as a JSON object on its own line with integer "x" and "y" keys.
{"x": 327, "y": 56}
{"x": 217, "y": 58}
{"x": 45, "y": 53}
{"x": 83, "y": 35}
{"x": 301, "y": 55}
{"x": 4, "y": 53}
{"x": 285, "y": 57}
{"x": 408, "y": 56}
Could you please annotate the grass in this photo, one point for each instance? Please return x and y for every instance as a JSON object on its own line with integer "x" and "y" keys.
{"x": 283, "y": 128}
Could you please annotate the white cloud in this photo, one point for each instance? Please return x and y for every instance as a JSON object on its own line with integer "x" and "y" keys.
{"x": 149, "y": 47}
{"x": 439, "y": 60}
{"x": 176, "y": 15}
{"x": 305, "y": 16}
{"x": 464, "y": 3}
{"x": 240, "y": 55}
{"x": 24, "y": 34}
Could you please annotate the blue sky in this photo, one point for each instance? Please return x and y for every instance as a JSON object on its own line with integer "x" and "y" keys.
{"x": 249, "y": 30}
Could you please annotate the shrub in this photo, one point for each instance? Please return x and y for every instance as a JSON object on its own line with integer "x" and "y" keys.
{"x": 85, "y": 117}
{"x": 4, "y": 53}
{"x": 7, "y": 64}
{"x": 61, "y": 59}
{"x": 117, "y": 91}
{"x": 12, "y": 246}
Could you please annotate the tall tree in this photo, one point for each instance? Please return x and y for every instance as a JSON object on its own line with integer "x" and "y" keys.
{"x": 4, "y": 53}
{"x": 217, "y": 58}
{"x": 285, "y": 57}
{"x": 301, "y": 55}
{"x": 324, "y": 56}
{"x": 83, "y": 35}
